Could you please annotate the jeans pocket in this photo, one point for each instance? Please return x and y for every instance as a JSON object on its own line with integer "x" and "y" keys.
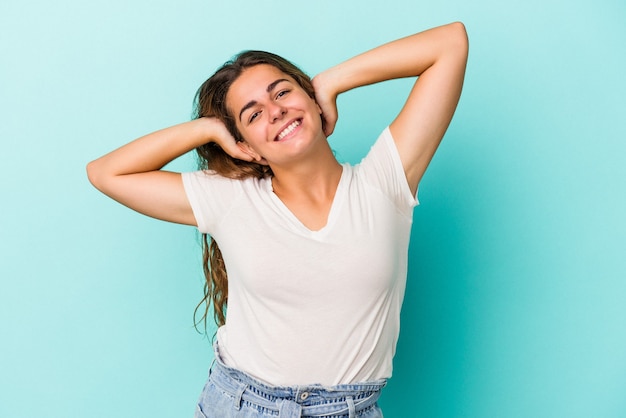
{"x": 199, "y": 413}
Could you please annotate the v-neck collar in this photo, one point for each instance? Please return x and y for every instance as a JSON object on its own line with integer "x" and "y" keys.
{"x": 332, "y": 214}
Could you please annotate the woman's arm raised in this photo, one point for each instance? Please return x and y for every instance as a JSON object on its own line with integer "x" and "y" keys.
{"x": 132, "y": 174}
{"x": 438, "y": 57}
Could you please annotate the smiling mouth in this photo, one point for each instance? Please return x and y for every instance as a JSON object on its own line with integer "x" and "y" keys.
{"x": 289, "y": 129}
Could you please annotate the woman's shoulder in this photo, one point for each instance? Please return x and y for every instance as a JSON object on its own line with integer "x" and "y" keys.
{"x": 382, "y": 169}
{"x": 213, "y": 182}
{"x": 382, "y": 147}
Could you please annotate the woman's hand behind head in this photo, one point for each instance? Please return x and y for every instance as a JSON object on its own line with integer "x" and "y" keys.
{"x": 219, "y": 134}
{"x": 326, "y": 99}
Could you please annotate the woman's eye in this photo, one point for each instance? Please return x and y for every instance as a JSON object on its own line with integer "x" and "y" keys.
{"x": 281, "y": 93}
{"x": 253, "y": 116}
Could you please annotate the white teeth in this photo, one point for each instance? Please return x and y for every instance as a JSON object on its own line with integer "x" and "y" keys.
{"x": 288, "y": 129}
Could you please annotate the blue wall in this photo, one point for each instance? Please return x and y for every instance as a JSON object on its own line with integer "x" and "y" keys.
{"x": 515, "y": 304}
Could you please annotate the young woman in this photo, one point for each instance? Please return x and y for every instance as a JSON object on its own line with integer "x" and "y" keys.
{"x": 315, "y": 251}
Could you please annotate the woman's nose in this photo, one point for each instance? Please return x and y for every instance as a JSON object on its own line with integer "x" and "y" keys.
{"x": 277, "y": 112}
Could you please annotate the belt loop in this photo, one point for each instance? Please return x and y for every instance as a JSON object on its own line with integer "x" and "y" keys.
{"x": 351, "y": 408}
{"x": 239, "y": 395}
{"x": 289, "y": 409}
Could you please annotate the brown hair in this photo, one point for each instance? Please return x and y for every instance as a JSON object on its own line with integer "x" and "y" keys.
{"x": 210, "y": 101}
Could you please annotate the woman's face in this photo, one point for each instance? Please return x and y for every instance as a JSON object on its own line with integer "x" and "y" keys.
{"x": 278, "y": 120}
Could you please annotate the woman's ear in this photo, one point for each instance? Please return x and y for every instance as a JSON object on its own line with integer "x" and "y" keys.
{"x": 247, "y": 149}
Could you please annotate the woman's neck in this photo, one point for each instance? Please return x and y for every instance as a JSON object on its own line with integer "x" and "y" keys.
{"x": 309, "y": 192}
{"x": 315, "y": 179}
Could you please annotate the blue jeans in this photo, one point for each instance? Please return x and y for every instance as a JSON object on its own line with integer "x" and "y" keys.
{"x": 232, "y": 393}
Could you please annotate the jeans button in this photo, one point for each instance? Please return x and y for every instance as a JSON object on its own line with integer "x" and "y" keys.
{"x": 304, "y": 396}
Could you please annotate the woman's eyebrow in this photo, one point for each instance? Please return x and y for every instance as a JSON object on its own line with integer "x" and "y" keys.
{"x": 273, "y": 84}
{"x": 269, "y": 89}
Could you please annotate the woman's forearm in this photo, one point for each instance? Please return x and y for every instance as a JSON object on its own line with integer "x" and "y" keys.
{"x": 150, "y": 152}
{"x": 405, "y": 57}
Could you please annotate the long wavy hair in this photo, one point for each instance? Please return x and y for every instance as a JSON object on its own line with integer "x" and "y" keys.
{"x": 210, "y": 101}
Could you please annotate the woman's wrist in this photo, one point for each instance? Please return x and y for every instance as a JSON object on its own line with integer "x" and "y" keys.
{"x": 328, "y": 83}
{"x": 203, "y": 130}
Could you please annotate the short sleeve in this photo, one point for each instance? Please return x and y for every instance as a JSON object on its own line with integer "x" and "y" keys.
{"x": 382, "y": 169}
{"x": 210, "y": 196}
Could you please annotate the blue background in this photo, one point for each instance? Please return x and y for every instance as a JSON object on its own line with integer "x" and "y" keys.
{"x": 515, "y": 304}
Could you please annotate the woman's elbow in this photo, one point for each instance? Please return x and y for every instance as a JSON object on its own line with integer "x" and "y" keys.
{"x": 94, "y": 174}
{"x": 458, "y": 37}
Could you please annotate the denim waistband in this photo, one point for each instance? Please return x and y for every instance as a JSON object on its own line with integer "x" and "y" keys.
{"x": 345, "y": 400}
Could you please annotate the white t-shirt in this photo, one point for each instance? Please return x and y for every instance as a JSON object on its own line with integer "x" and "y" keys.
{"x": 306, "y": 306}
